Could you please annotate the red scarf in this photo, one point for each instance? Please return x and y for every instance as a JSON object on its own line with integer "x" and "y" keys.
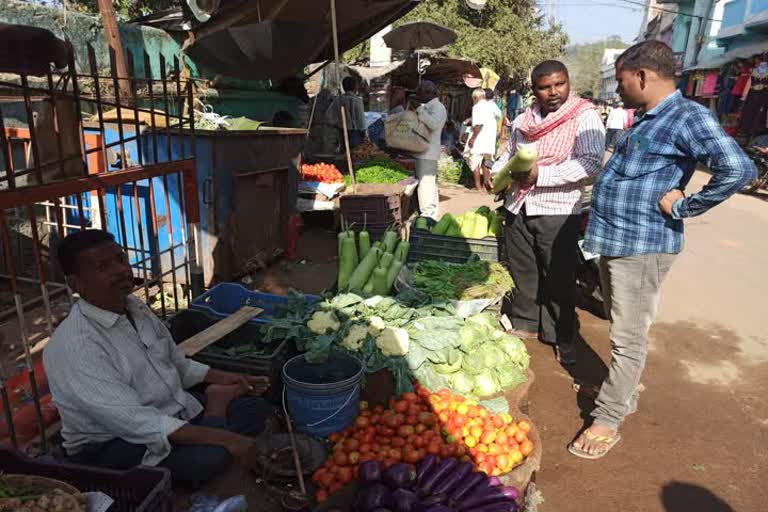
{"x": 555, "y": 135}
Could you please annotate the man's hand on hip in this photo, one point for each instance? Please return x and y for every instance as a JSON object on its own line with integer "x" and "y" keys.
{"x": 669, "y": 199}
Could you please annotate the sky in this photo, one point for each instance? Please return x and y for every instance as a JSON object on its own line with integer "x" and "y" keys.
{"x": 591, "y": 20}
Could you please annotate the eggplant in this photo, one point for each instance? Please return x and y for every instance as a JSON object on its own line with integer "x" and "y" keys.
{"x": 491, "y": 496}
{"x": 494, "y": 481}
{"x": 501, "y": 506}
{"x": 399, "y": 476}
{"x": 426, "y": 466}
{"x": 370, "y": 472}
{"x": 478, "y": 480}
{"x": 427, "y": 503}
{"x": 451, "y": 480}
{"x": 437, "y": 476}
{"x": 439, "y": 508}
{"x": 373, "y": 497}
{"x": 403, "y": 500}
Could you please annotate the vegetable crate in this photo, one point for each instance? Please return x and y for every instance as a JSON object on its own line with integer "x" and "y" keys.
{"x": 427, "y": 246}
{"x": 226, "y": 298}
{"x": 377, "y": 207}
{"x": 240, "y": 351}
{"x": 136, "y": 490}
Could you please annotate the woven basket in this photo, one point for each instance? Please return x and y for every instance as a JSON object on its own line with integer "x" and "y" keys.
{"x": 31, "y": 485}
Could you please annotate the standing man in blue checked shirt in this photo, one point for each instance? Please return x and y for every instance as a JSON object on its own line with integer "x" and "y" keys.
{"x": 636, "y": 222}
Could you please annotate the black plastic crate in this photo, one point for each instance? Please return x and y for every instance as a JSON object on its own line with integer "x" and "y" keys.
{"x": 189, "y": 322}
{"x": 376, "y": 204}
{"x": 428, "y": 246}
{"x": 136, "y": 490}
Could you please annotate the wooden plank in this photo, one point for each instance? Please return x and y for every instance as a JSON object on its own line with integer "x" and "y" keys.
{"x": 218, "y": 330}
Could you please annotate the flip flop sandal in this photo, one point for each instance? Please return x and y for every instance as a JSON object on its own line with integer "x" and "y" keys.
{"x": 607, "y": 441}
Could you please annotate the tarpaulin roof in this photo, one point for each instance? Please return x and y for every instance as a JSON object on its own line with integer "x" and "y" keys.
{"x": 441, "y": 70}
{"x": 357, "y": 20}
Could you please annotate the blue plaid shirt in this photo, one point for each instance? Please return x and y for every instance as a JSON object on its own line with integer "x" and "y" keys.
{"x": 659, "y": 153}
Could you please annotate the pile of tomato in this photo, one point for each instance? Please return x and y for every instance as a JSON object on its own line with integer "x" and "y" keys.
{"x": 323, "y": 173}
{"x": 494, "y": 442}
{"x": 420, "y": 423}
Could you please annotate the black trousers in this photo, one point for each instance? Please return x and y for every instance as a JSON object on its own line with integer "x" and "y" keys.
{"x": 541, "y": 253}
{"x": 190, "y": 465}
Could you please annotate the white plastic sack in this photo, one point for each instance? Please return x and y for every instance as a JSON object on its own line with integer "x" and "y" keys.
{"x": 464, "y": 308}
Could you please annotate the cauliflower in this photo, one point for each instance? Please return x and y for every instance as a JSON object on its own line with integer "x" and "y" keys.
{"x": 355, "y": 337}
{"x": 393, "y": 341}
{"x": 322, "y": 322}
{"x": 376, "y": 325}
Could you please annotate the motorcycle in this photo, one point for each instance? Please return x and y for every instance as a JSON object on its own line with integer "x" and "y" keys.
{"x": 761, "y": 162}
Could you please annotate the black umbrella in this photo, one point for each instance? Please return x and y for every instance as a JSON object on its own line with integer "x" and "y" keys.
{"x": 259, "y": 51}
{"x": 419, "y": 34}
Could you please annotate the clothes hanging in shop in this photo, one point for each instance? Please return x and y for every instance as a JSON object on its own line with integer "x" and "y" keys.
{"x": 753, "y": 113}
{"x": 728, "y": 102}
{"x": 741, "y": 81}
{"x": 709, "y": 84}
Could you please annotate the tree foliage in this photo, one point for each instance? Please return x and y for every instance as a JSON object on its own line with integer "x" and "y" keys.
{"x": 125, "y": 9}
{"x": 508, "y": 36}
{"x": 584, "y": 62}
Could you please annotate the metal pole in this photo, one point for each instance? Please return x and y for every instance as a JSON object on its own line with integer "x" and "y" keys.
{"x": 113, "y": 40}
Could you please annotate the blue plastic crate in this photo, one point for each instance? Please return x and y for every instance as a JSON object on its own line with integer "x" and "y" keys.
{"x": 226, "y": 298}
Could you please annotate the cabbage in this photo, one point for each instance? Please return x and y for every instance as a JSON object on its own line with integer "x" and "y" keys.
{"x": 486, "y": 357}
{"x": 461, "y": 383}
{"x": 485, "y": 384}
{"x": 451, "y": 362}
{"x": 515, "y": 350}
{"x": 509, "y": 376}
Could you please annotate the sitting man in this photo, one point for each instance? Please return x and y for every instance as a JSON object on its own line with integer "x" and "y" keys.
{"x": 118, "y": 379}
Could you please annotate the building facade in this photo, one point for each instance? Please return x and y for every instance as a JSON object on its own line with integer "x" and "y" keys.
{"x": 608, "y": 75}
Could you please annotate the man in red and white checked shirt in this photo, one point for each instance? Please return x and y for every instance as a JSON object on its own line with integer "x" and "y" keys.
{"x": 543, "y": 206}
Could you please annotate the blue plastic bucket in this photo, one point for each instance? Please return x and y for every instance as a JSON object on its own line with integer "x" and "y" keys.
{"x": 323, "y": 398}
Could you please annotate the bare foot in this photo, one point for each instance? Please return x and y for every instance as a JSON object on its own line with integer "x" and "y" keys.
{"x": 595, "y": 441}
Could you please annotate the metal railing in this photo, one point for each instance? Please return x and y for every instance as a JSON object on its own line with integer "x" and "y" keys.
{"x": 63, "y": 171}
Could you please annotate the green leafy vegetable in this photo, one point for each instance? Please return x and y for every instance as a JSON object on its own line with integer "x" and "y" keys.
{"x": 471, "y": 280}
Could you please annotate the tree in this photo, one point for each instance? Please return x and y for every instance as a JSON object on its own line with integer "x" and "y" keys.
{"x": 125, "y": 9}
{"x": 508, "y": 36}
{"x": 584, "y": 62}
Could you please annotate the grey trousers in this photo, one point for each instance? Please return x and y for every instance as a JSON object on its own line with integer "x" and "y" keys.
{"x": 631, "y": 290}
{"x": 541, "y": 252}
{"x": 429, "y": 198}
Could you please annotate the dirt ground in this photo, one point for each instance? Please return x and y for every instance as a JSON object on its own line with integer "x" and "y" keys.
{"x": 699, "y": 441}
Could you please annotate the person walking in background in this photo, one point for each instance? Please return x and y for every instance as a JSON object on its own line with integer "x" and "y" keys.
{"x": 432, "y": 113}
{"x": 617, "y": 122}
{"x": 482, "y": 141}
{"x": 542, "y": 225}
{"x": 636, "y": 220}
{"x": 355, "y": 112}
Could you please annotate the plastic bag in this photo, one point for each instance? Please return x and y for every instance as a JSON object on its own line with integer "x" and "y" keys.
{"x": 405, "y": 131}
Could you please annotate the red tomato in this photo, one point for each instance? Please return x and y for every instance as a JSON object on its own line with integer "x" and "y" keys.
{"x": 351, "y": 444}
{"x": 401, "y": 406}
{"x": 365, "y": 448}
{"x": 520, "y": 436}
{"x": 340, "y": 458}
{"x": 326, "y": 480}
{"x": 411, "y": 397}
{"x": 433, "y": 448}
{"x": 362, "y": 422}
{"x": 345, "y": 475}
{"x": 398, "y": 441}
{"x": 526, "y": 448}
{"x": 321, "y": 496}
{"x": 405, "y": 430}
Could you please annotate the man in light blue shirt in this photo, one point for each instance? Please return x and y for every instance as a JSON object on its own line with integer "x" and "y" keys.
{"x": 636, "y": 220}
